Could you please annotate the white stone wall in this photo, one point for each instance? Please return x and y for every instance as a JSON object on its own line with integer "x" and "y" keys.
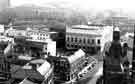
{"x": 38, "y": 36}
{"x": 73, "y": 37}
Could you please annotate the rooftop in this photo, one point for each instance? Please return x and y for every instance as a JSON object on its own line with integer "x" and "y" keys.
{"x": 86, "y": 27}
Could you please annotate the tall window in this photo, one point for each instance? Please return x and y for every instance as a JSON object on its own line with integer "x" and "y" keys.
{"x": 72, "y": 39}
{"x": 84, "y": 40}
{"x": 72, "y": 46}
{"x": 75, "y": 46}
{"x": 93, "y": 41}
{"x": 88, "y": 40}
{"x": 98, "y": 41}
{"x": 76, "y": 39}
{"x": 80, "y": 40}
{"x": 67, "y": 38}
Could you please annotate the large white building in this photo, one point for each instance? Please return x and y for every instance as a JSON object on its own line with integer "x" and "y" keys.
{"x": 36, "y": 37}
{"x": 1, "y": 29}
{"x": 14, "y": 32}
{"x": 88, "y": 37}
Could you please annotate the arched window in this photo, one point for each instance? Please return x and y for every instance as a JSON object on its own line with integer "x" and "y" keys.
{"x": 68, "y": 45}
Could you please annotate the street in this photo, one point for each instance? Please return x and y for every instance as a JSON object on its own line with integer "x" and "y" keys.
{"x": 93, "y": 75}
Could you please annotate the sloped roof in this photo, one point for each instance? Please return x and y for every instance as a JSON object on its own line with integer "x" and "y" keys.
{"x": 80, "y": 53}
{"x": 44, "y": 68}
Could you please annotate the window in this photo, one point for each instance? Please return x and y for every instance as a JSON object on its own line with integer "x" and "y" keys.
{"x": 89, "y": 68}
{"x": 88, "y": 40}
{"x": 75, "y": 46}
{"x": 93, "y": 41}
{"x": 40, "y": 38}
{"x": 46, "y": 35}
{"x": 72, "y": 39}
{"x": 44, "y": 38}
{"x": 75, "y": 39}
{"x": 72, "y": 46}
{"x": 98, "y": 41}
{"x": 80, "y": 40}
{"x": 68, "y": 45}
{"x": 67, "y": 38}
{"x": 84, "y": 40}
{"x": 93, "y": 65}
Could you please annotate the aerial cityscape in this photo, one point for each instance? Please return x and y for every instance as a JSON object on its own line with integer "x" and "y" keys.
{"x": 66, "y": 42}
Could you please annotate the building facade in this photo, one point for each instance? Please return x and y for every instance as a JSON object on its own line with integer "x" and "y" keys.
{"x": 90, "y": 38}
{"x": 35, "y": 38}
{"x": 42, "y": 36}
{"x": 38, "y": 35}
{"x": 1, "y": 29}
{"x": 14, "y": 32}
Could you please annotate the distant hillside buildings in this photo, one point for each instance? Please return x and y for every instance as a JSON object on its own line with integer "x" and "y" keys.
{"x": 4, "y": 4}
{"x": 124, "y": 23}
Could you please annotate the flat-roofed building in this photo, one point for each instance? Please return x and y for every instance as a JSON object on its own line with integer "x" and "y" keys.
{"x": 88, "y": 37}
{"x": 42, "y": 36}
{"x": 14, "y": 32}
{"x": 38, "y": 35}
{"x": 1, "y": 29}
{"x": 37, "y": 38}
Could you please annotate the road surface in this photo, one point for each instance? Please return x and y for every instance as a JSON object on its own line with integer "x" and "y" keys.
{"x": 94, "y": 75}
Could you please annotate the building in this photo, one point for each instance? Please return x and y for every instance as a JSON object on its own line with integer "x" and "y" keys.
{"x": 38, "y": 35}
{"x": 1, "y": 29}
{"x": 50, "y": 47}
{"x": 43, "y": 36}
{"x": 128, "y": 38}
{"x": 14, "y": 32}
{"x": 91, "y": 38}
{"x": 34, "y": 38}
{"x": 125, "y": 24}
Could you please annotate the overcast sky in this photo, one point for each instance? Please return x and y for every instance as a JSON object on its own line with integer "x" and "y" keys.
{"x": 96, "y": 4}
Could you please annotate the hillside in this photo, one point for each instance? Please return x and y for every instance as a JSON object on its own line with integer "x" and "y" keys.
{"x": 58, "y": 14}
{"x": 35, "y": 15}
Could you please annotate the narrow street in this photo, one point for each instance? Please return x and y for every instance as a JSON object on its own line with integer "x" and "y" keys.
{"x": 93, "y": 75}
